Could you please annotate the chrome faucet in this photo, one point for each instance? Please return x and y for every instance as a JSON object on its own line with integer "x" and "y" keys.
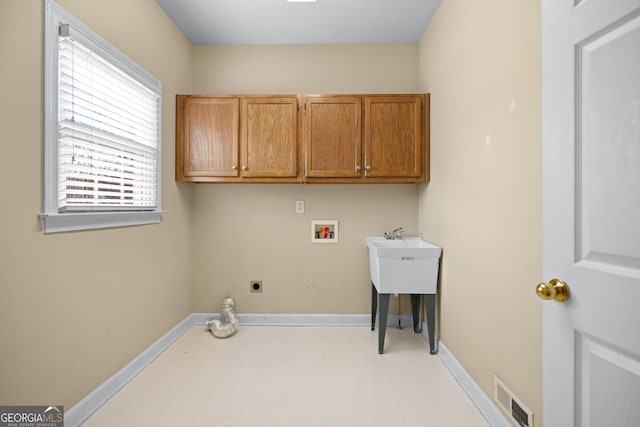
{"x": 394, "y": 234}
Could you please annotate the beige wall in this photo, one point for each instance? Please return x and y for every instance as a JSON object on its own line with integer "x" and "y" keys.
{"x": 307, "y": 69}
{"x": 251, "y": 232}
{"x": 481, "y": 63}
{"x": 258, "y": 236}
{"x": 64, "y": 330}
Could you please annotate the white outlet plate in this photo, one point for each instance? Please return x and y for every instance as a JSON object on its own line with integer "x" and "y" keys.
{"x": 299, "y": 206}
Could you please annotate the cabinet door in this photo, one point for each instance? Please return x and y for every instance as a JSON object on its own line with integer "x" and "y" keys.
{"x": 332, "y": 133}
{"x": 269, "y": 136}
{"x": 210, "y": 136}
{"x": 393, "y": 136}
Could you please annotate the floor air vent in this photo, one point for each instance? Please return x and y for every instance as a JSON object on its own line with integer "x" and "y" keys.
{"x": 515, "y": 410}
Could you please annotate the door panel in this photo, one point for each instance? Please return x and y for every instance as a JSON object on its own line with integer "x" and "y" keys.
{"x": 609, "y": 155}
{"x": 603, "y": 368}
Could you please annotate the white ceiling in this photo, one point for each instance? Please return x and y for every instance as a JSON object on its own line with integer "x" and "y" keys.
{"x": 279, "y": 22}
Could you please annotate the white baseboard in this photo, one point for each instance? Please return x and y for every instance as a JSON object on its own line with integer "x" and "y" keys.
{"x": 82, "y": 410}
{"x": 249, "y": 319}
{"x": 485, "y": 405}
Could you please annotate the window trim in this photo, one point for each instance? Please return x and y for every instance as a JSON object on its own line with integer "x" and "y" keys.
{"x": 52, "y": 220}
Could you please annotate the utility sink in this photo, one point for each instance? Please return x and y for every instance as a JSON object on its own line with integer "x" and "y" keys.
{"x": 408, "y": 265}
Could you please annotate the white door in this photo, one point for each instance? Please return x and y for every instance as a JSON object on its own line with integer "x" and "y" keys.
{"x": 591, "y": 211}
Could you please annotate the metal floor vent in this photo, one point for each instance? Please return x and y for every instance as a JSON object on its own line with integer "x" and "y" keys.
{"x": 513, "y": 407}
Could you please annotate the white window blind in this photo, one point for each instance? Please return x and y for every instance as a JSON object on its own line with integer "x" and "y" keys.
{"x": 102, "y": 132}
{"x": 108, "y": 136}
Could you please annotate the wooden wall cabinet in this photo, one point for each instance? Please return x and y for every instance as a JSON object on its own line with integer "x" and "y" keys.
{"x": 308, "y": 139}
{"x": 236, "y": 139}
{"x": 375, "y": 138}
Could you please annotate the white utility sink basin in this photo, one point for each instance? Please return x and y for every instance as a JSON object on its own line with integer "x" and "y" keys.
{"x": 403, "y": 266}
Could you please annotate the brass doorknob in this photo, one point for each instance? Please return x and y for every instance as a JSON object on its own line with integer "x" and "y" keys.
{"x": 553, "y": 289}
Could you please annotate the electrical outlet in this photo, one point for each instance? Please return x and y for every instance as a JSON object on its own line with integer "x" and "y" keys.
{"x": 299, "y": 206}
{"x": 255, "y": 286}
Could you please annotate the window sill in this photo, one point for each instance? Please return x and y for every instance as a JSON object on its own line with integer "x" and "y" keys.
{"x": 59, "y": 223}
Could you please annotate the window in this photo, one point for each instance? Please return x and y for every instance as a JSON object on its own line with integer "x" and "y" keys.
{"x": 102, "y": 145}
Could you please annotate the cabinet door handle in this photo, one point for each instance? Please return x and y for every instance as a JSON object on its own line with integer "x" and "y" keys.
{"x": 244, "y": 168}
{"x": 234, "y": 167}
{"x": 368, "y": 167}
{"x": 358, "y": 168}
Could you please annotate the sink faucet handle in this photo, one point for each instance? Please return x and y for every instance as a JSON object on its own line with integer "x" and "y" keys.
{"x": 394, "y": 234}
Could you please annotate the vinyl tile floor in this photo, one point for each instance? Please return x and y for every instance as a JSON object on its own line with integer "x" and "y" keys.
{"x": 293, "y": 376}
